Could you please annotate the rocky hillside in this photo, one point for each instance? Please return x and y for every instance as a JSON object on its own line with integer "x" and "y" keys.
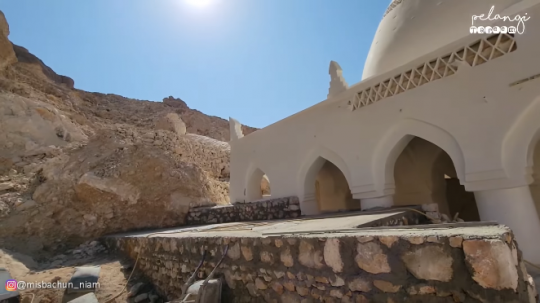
{"x": 75, "y": 165}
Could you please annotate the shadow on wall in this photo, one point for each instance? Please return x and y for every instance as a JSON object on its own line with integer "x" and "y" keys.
{"x": 332, "y": 191}
{"x": 535, "y": 186}
{"x": 424, "y": 173}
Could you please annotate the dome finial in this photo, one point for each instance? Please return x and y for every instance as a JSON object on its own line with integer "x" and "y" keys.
{"x": 337, "y": 82}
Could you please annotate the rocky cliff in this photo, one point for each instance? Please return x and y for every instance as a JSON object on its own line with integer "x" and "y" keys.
{"x": 75, "y": 165}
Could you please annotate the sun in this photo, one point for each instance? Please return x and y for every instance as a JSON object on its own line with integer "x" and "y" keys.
{"x": 199, "y": 3}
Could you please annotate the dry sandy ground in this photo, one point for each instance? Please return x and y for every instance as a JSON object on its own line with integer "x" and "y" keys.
{"x": 113, "y": 276}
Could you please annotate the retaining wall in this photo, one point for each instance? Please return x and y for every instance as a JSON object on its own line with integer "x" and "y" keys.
{"x": 460, "y": 264}
{"x": 280, "y": 208}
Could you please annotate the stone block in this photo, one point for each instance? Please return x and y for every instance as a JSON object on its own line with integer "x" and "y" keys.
{"x": 386, "y": 286}
{"x": 371, "y": 258}
{"x": 332, "y": 255}
{"x": 492, "y": 263}
{"x": 430, "y": 262}
{"x": 309, "y": 256}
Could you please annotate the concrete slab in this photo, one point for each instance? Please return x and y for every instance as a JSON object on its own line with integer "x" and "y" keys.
{"x": 330, "y": 225}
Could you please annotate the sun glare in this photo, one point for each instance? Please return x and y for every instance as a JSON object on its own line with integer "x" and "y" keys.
{"x": 199, "y": 3}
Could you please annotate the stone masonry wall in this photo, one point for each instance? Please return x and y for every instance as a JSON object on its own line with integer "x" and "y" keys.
{"x": 280, "y": 208}
{"x": 463, "y": 264}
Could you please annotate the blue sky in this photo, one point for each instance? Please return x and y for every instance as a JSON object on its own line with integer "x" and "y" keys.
{"x": 258, "y": 61}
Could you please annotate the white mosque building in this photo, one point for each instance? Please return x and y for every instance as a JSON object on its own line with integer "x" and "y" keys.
{"x": 441, "y": 115}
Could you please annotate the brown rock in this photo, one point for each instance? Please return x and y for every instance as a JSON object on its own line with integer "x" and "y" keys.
{"x": 364, "y": 239}
{"x": 234, "y": 251}
{"x": 332, "y": 255}
{"x": 278, "y": 242}
{"x": 260, "y": 284}
{"x": 252, "y": 289}
{"x": 291, "y": 276}
{"x": 172, "y": 122}
{"x": 492, "y": 263}
{"x": 247, "y": 253}
{"x": 422, "y": 290}
{"x": 303, "y": 291}
{"x": 267, "y": 257}
{"x": 416, "y": 240}
{"x": 230, "y": 279}
{"x": 386, "y": 286}
{"x": 429, "y": 263}
{"x": 360, "y": 284}
{"x": 337, "y": 281}
{"x": 286, "y": 258}
{"x": 432, "y": 239}
{"x": 336, "y": 293}
{"x": 455, "y": 241}
{"x": 315, "y": 293}
{"x": 361, "y": 299}
{"x": 371, "y": 258}
{"x": 277, "y": 288}
{"x": 289, "y": 286}
{"x": 388, "y": 240}
{"x": 323, "y": 280}
{"x": 347, "y": 299}
{"x": 309, "y": 256}
{"x": 7, "y": 54}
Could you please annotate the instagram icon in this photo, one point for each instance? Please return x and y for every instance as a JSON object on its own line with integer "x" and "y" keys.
{"x": 11, "y": 285}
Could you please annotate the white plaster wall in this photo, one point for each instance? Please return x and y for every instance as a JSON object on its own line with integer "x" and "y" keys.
{"x": 483, "y": 124}
{"x": 418, "y": 27}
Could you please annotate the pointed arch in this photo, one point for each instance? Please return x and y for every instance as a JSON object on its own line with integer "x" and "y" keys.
{"x": 396, "y": 139}
{"x": 307, "y": 176}
{"x": 252, "y": 188}
{"x": 315, "y": 160}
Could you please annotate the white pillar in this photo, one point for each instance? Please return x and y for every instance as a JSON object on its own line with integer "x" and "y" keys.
{"x": 513, "y": 207}
{"x": 309, "y": 205}
{"x": 384, "y": 201}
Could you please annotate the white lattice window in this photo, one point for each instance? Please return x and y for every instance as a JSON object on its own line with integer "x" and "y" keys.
{"x": 472, "y": 55}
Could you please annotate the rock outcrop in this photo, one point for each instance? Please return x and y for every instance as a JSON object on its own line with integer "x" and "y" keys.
{"x": 75, "y": 165}
{"x": 7, "y": 55}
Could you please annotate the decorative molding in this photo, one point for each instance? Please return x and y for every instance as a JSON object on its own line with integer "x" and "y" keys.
{"x": 472, "y": 55}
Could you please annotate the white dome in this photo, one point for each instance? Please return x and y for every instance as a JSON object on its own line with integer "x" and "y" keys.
{"x": 413, "y": 28}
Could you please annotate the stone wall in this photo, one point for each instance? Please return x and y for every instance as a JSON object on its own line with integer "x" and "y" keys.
{"x": 460, "y": 264}
{"x": 280, "y": 208}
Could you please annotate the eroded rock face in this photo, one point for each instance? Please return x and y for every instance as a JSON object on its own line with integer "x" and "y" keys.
{"x": 172, "y": 122}
{"x": 75, "y": 165}
{"x": 7, "y": 55}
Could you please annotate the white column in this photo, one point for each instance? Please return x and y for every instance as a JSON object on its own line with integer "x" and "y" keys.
{"x": 513, "y": 207}
{"x": 384, "y": 201}
{"x": 309, "y": 206}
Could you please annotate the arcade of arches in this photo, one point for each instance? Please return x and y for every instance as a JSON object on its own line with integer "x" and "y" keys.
{"x": 423, "y": 173}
